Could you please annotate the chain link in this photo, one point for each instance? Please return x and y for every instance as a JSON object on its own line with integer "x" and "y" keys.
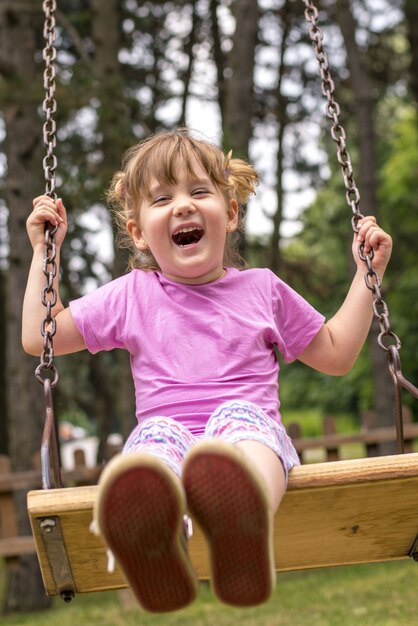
{"x": 49, "y": 266}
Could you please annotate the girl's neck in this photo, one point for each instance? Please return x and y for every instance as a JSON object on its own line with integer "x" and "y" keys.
{"x": 203, "y": 280}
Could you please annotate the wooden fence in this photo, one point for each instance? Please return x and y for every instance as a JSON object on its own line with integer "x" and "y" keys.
{"x": 370, "y": 437}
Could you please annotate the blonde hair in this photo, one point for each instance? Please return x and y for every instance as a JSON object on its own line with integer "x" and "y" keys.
{"x": 157, "y": 158}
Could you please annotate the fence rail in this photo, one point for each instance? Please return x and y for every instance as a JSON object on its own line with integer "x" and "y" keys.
{"x": 332, "y": 442}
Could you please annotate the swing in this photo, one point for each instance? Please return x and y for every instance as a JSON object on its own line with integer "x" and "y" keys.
{"x": 337, "y": 513}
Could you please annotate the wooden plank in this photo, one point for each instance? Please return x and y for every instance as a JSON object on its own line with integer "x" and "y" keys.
{"x": 337, "y": 513}
{"x": 382, "y": 468}
{"x": 347, "y": 524}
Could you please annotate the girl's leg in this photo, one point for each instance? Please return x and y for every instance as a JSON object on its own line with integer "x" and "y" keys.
{"x": 262, "y": 439}
{"x": 164, "y": 438}
{"x": 268, "y": 464}
{"x": 233, "y": 489}
{"x": 140, "y": 512}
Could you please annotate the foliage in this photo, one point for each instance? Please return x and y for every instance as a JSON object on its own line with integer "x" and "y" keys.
{"x": 325, "y": 244}
{"x": 399, "y": 203}
{"x": 140, "y": 66}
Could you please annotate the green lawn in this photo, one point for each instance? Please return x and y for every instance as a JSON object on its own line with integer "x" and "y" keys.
{"x": 371, "y": 595}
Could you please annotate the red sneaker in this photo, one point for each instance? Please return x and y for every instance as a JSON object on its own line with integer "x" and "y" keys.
{"x": 139, "y": 512}
{"x": 230, "y": 503}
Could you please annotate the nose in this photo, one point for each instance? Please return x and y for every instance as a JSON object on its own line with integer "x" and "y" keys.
{"x": 184, "y": 206}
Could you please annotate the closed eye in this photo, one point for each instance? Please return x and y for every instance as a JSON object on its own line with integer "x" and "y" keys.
{"x": 161, "y": 199}
{"x": 200, "y": 191}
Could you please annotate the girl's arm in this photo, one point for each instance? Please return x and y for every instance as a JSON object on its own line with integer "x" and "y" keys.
{"x": 336, "y": 347}
{"x": 67, "y": 338}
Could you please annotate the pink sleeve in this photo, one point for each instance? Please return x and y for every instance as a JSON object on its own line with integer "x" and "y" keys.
{"x": 297, "y": 322}
{"x": 100, "y": 316}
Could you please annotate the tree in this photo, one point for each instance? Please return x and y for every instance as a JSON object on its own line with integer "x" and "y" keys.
{"x": 20, "y": 77}
{"x": 238, "y": 112}
{"x": 282, "y": 117}
{"x": 399, "y": 204}
{"x": 113, "y": 385}
{"x": 3, "y": 380}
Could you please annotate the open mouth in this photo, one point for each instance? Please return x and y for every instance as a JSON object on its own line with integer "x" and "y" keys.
{"x": 187, "y": 236}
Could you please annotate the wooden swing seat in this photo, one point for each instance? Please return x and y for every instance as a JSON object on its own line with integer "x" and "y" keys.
{"x": 337, "y": 513}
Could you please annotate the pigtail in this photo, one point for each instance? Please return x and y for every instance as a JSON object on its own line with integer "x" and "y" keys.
{"x": 116, "y": 197}
{"x": 241, "y": 178}
{"x": 117, "y": 192}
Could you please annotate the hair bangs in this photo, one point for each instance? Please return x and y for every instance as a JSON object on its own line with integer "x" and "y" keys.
{"x": 164, "y": 154}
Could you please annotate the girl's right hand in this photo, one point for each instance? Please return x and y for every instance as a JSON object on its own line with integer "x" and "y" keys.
{"x": 45, "y": 209}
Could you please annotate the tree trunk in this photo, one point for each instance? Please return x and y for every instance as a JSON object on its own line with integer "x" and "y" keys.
{"x": 365, "y": 116}
{"x": 218, "y": 55}
{"x": 240, "y": 87}
{"x": 24, "y": 588}
{"x": 282, "y": 119}
{"x": 238, "y": 115}
{"x": 3, "y": 401}
{"x": 115, "y": 130}
{"x": 188, "y": 50}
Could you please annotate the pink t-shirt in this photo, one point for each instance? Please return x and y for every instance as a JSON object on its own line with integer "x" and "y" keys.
{"x": 193, "y": 347}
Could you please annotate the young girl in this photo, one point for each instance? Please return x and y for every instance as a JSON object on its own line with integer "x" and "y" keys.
{"x": 201, "y": 336}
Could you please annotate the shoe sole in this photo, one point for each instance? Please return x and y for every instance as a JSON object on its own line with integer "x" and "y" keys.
{"x": 230, "y": 504}
{"x": 140, "y": 510}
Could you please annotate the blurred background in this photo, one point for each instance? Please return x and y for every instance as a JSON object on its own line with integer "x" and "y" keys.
{"x": 244, "y": 74}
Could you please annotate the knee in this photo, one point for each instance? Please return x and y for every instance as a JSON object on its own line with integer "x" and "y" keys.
{"x": 152, "y": 429}
{"x": 229, "y": 413}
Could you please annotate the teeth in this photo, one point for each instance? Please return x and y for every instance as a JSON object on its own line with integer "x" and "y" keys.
{"x": 187, "y": 235}
{"x": 188, "y": 230}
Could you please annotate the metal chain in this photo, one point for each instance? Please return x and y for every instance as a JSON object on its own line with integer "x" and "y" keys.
{"x": 49, "y": 266}
{"x": 352, "y": 194}
{"x": 372, "y": 278}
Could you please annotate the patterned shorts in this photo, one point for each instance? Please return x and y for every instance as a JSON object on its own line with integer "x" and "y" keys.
{"x": 233, "y": 421}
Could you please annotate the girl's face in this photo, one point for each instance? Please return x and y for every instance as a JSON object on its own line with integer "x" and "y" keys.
{"x": 185, "y": 225}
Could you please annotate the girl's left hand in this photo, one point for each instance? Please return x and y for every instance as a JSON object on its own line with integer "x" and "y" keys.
{"x": 373, "y": 238}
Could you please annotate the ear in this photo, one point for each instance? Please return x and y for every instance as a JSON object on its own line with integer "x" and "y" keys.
{"x": 137, "y": 235}
{"x": 232, "y": 215}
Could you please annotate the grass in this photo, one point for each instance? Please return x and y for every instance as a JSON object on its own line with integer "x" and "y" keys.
{"x": 369, "y": 595}
{"x": 311, "y": 421}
